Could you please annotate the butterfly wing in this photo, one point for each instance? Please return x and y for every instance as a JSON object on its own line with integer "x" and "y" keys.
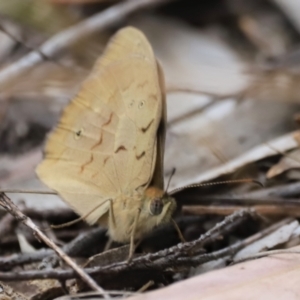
{"x": 105, "y": 143}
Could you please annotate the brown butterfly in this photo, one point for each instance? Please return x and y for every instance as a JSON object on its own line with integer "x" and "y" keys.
{"x": 105, "y": 157}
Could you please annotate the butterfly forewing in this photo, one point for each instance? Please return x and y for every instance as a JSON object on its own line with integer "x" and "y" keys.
{"x": 105, "y": 144}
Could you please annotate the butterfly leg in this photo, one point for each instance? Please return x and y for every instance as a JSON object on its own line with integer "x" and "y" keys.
{"x": 178, "y": 231}
{"x": 111, "y": 211}
{"x": 132, "y": 246}
{"x": 165, "y": 216}
{"x": 108, "y": 244}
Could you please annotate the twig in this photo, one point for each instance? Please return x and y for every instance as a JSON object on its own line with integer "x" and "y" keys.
{"x": 23, "y": 258}
{"x": 228, "y": 251}
{"x": 158, "y": 261}
{"x": 74, "y": 248}
{"x": 226, "y": 210}
{"x": 74, "y": 34}
{"x": 233, "y": 249}
{"x": 140, "y": 263}
{"x": 50, "y": 233}
{"x": 272, "y": 195}
{"x": 10, "y": 207}
{"x": 241, "y": 199}
{"x": 284, "y": 191}
{"x": 232, "y": 220}
{"x": 183, "y": 249}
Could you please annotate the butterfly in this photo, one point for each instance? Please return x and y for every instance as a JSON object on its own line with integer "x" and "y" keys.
{"x": 105, "y": 156}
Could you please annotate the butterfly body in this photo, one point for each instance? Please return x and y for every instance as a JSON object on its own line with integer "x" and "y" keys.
{"x": 127, "y": 207}
{"x": 105, "y": 157}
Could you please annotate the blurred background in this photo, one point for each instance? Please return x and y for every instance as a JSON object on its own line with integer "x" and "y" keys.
{"x": 232, "y": 83}
{"x": 231, "y": 70}
{"x": 233, "y": 93}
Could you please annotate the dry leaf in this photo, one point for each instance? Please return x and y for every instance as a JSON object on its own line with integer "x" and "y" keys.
{"x": 288, "y": 162}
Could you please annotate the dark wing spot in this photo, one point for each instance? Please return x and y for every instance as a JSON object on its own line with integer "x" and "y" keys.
{"x": 78, "y": 134}
{"x": 87, "y": 163}
{"x": 99, "y": 142}
{"x": 145, "y": 129}
{"x": 109, "y": 120}
{"x": 138, "y": 157}
{"x": 121, "y": 148}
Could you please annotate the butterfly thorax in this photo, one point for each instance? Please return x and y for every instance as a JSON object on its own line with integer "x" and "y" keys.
{"x": 155, "y": 208}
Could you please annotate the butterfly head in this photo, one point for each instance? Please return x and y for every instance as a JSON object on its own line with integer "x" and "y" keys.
{"x": 159, "y": 203}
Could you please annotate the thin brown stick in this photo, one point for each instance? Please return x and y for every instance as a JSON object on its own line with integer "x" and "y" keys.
{"x": 10, "y": 207}
{"x": 73, "y": 35}
{"x": 241, "y": 199}
{"x": 270, "y": 210}
{"x": 283, "y": 191}
{"x": 9, "y": 262}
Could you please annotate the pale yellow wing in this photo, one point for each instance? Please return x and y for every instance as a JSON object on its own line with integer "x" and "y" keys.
{"x": 105, "y": 143}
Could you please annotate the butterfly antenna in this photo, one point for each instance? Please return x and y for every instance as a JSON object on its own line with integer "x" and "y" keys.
{"x": 16, "y": 191}
{"x": 170, "y": 178}
{"x": 82, "y": 218}
{"x": 247, "y": 180}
